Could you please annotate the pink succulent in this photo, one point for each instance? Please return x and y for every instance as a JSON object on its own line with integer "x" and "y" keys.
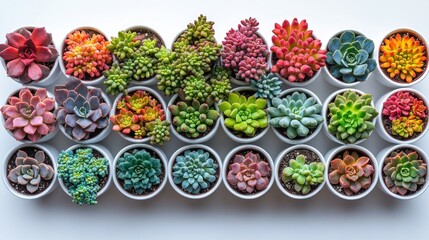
{"x": 29, "y": 116}
{"x": 25, "y": 52}
{"x": 398, "y": 105}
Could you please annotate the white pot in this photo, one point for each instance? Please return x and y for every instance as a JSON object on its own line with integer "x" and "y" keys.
{"x": 45, "y": 138}
{"x": 95, "y": 81}
{"x": 325, "y": 113}
{"x": 106, "y": 154}
{"x": 385, "y": 80}
{"x": 383, "y": 154}
{"x": 180, "y": 151}
{"x": 159, "y": 188}
{"x": 226, "y": 164}
{"x": 331, "y": 156}
{"x": 99, "y": 137}
{"x": 380, "y": 127}
{"x": 50, "y": 151}
{"x": 278, "y": 177}
{"x": 185, "y": 139}
{"x": 307, "y": 138}
{"x": 130, "y": 90}
{"x": 239, "y": 139}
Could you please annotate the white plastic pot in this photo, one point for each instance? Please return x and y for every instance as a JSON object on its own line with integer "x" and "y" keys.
{"x": 384, "y": 79}
{"x": 50, "y": 151}
{"x": 380, "y": 127}
{"x": 226, "y": 163}
{"x": 278, "y": 177}
{"x": 159, "y": 188}
{"x": 180, "y": 151}
{"x": 383, "y": 154}
{"x": 331, "y": 156}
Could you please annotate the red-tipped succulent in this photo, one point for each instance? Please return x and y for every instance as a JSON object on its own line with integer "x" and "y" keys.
{"x": 26, "y": 52}
{"x": 397, "y": 105}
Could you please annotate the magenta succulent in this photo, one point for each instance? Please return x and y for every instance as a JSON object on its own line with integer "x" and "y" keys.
{"x": 25, "y": 52}
{"x": 398, "y": 105}
{"x": 29, "y": 116}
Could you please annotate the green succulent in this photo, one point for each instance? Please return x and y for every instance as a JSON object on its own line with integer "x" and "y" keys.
{"x": 139, "y": 171}
{"x": 158, "y": 131}
{"x": 196, "y": 88}
{"x": 303, "y": 175}
{"x": 124, "y": 45}
{"x": 296, "y": 113}
{"x": 350, "y": 116}
{"x": 268, "y": 86}
{"x": 198, "y": 31}
{"x": 117, "y": 79}
{"x": 195, "y": 171}
{"x": 220, "y": 83}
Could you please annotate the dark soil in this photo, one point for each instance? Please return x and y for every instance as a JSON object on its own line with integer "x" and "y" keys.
{"x": 44, "y": 184}
{"x": 310, "y": 157}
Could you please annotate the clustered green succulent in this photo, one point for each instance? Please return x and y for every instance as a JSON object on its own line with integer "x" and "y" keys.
{"x": 81, "y": 173}
{"x": 158, "y": 131}
{"x": 350, "y": 116}
{"x": 303, "y": 175}
{"x": 296, "y": 113}
{"x": 195, "y": 171}
{"x": 139, "y": 171}
{"x": 268, "y": 86}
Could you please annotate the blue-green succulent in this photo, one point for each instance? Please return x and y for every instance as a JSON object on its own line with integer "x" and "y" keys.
{"x": 268, "y": 86}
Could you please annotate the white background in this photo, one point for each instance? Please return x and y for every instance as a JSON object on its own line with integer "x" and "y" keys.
{"x": 221, "y": 215}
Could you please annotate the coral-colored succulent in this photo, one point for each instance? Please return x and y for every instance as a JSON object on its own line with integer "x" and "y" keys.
{"x": 298, "y": 52}
{"x": 125, "y": 121}
{"x": 397, "y": 105}
{"x": 26, "y": 51}
{"x": 406, "y": 127}
{"x": 419, "y": 109}
{"x": 404, "y": 56}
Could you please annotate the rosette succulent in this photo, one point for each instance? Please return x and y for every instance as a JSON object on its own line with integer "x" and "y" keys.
{"x": 268, "y": 86}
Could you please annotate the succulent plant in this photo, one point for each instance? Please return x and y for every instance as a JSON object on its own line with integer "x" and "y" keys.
{"x": 139, "y": 171}
{"x": 407, "y": 127}
{"x": 29, "y": 116}
{"x": 117, "y": 79}
{"x": 352, "y": 172}
{"x": 350, "y": 57}
{"x": 81, "y": 173}
{"x": 195, "y": 171}
{"x": 296, "y": 113}
{"x": 398, "y": 104}
{"x": 243, "y": 114}
{"x": 299, "y": 55}
{"x": 124, "y": 45}
{"x": 158, "y": 131}
{"x": 403, "y": 57}
{"x": 86, "y": 55}
{"x": 419, "y": 108}
{"x": 350, "y": 116}
{"x": 81, "y": 110}
{"x": 30, "y": 171}
{"x": 220, "y": 83}
{"x": 268, "y": 86}
{"x": 199, "y": 31}
{"x": 26, "y": 52}
{"x": 303, "y": 175}
{"x": 404, "y": 172}
{"x": 249, "y": 173}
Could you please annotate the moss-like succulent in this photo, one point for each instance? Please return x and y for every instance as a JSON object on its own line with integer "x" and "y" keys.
{"x": 268, "y": 86}
{"x": 158, "y": 132}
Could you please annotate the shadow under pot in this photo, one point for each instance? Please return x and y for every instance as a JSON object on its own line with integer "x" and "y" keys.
{"x": 194, "y": 171}
{"x": 350, "y": 59}
{"x": 28, "y": 115}
{"x": 30, "y": 170}
{"x": 402, "y": 58}
{"x": 248, "y": 171}
{"x": 89, "y": 42}
{"x": 83, "y": 112}
{"x": 350, "y": 116}
{"x": 140, "y": 171}
{"x": 85, "y": 172}
{"x": 295, "y": 115}
{"x": 299, "y": 171}
{"x": 403, "y": 116}
{"x": 403, "y": 171}
{"x": 351, "y": 171}
{"x": 30, "y": 57}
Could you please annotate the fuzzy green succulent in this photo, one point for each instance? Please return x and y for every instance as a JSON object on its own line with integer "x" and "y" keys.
{"x": 195, "y": 171}
{"x": 303, "y": 175}
{"x": 139, "y": 171}
{"x": 268, "y": 86}
{"x": 124, "y": 45}
{"x": 158, "y": 131}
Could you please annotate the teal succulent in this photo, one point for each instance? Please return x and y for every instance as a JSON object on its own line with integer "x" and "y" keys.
{"x": 124, "y": 45}
{"x": 296, "y": 113}
{"x": 195, "y": 171}
{"x": 158, "y": 131}
{"x": 268, "y": 86}
{"x": 350, "y": 57}
{"x": 139, "y": 171}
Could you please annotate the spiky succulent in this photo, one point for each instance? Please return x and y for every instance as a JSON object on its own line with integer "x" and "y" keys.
{"x": 350, "y": 58}
{"x": 199, "y": 31}
{"x": 302, "y": 174}
{"x": 158, "y": 131}
{"x": 81, "y": 110}
{"x": 124, "y": 45}
{"x": 404, "y": 172}
{"x": 268, "y": 86}
{"x": 350, "y": 116}
{"x": 139, "y": 171}
{"x": 297, "y": 113}
{"x": 30, "y": 171}
{"x": 195, "y": 171}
